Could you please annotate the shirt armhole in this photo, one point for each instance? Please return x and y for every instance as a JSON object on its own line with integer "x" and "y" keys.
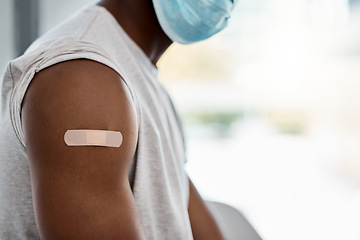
{"x": 22, "y": 79}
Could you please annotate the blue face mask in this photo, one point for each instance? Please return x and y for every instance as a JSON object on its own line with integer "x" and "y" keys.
{"x": 189, "y": 21}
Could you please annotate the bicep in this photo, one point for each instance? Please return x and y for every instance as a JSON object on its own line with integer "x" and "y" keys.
{"x": 80, "y": 192}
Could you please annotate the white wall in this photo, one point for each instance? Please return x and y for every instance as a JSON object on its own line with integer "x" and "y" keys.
{"x": 6, "y": 40}
{"x": 54, "y": 11}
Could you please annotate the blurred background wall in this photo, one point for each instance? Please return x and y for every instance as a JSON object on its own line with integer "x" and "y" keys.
{"x": 7, "y": 47}
{"x": 271, "y": 108}
{"x": 272, "y": 111}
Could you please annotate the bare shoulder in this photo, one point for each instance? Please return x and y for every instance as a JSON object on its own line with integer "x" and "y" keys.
{"x": 94, "y": 87}
{"x": 72, "y": 182}
{"x": 78, "y": 94}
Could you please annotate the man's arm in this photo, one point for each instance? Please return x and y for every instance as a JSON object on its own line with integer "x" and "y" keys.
{"x": 80, "y": 192}
{"x": 203, "y": 224}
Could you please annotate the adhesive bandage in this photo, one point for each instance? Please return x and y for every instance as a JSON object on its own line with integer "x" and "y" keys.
{"x": 86, "y": 137}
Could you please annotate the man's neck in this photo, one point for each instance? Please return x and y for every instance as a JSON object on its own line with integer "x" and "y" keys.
{"x": 139, "y": 21}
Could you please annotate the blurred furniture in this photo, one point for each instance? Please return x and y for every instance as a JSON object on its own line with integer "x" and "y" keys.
{"x": 232, "y": 222}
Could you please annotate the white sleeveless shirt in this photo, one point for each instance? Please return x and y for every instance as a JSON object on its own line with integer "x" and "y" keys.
{"x": 159, "y": 182}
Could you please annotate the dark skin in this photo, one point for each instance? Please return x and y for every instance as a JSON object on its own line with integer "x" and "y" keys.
{"x": 84, "y": 192}
{"x": 141, "y": 24}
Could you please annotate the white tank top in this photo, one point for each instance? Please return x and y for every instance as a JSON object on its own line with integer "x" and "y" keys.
{"x": 159, "y": 182}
